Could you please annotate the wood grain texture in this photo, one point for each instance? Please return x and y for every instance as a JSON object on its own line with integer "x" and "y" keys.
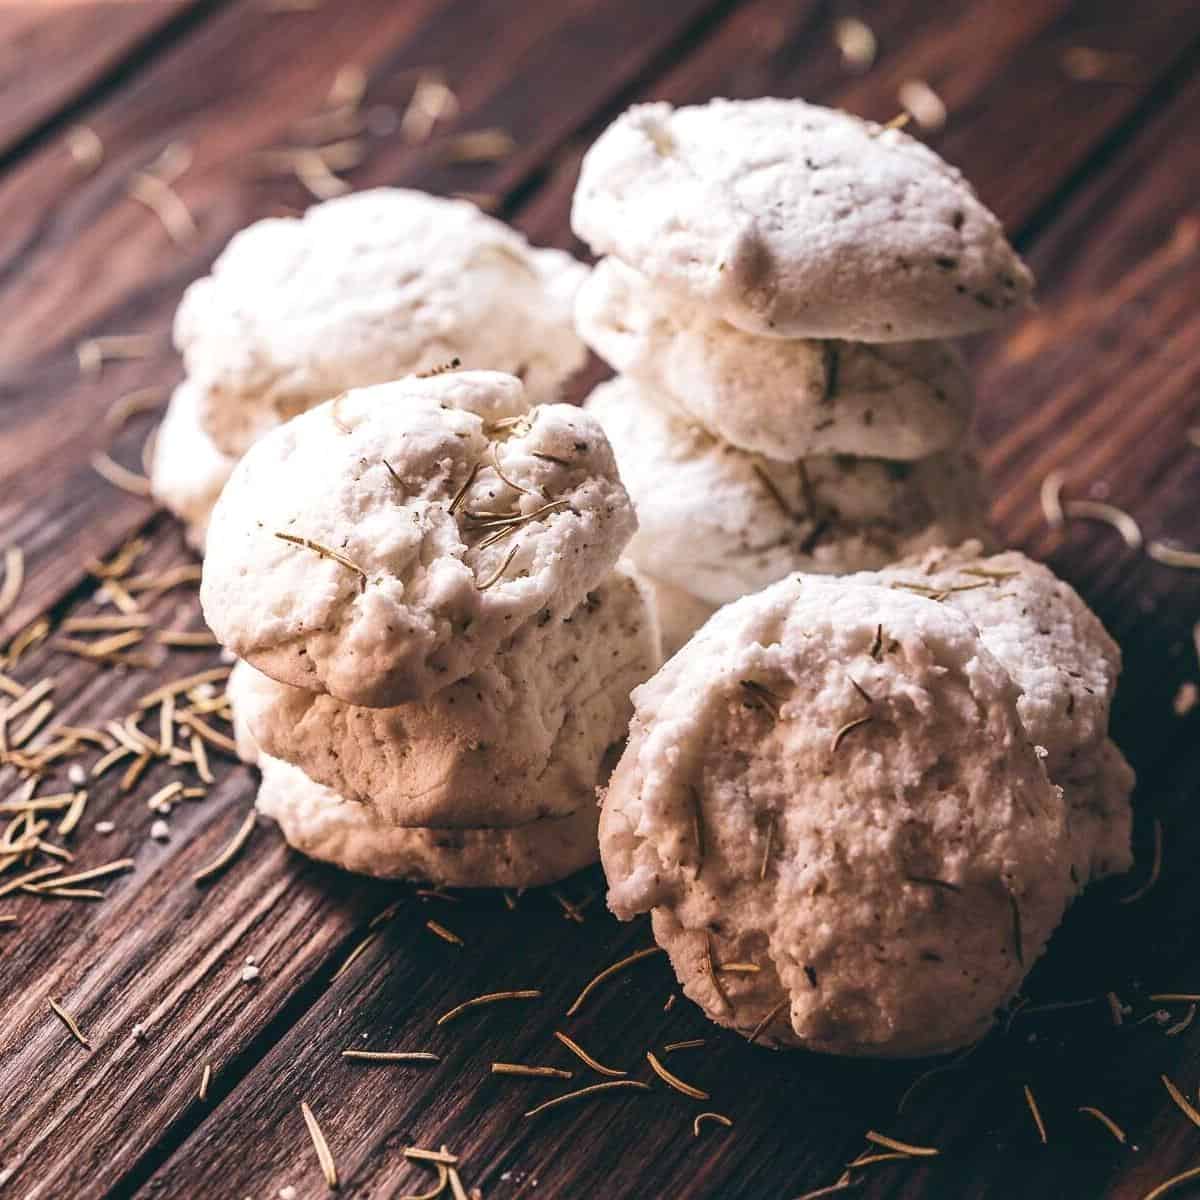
{"x": 1101, "y": 381}
{"x": 52, "y": 54}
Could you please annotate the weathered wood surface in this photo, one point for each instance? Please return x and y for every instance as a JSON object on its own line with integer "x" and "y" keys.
{"x": 53, "y": 55}
{"x": 1101, "y": 382}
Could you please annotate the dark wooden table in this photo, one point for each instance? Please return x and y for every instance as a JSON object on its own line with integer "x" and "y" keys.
{"x": 1078, "y": 121}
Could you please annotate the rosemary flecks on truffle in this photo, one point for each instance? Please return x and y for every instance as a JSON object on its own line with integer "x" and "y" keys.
{"x": 498, "y": 573}
{"x": 763, "y": 696}
{"x": 756, "y": 1033}
{"x": 327, "y": 552}
{"x": 628, "y": 960}
{"x": 844, "y": 730}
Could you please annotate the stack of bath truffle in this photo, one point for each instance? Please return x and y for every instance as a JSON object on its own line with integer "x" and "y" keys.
{"x": 778, "y": 287}
{"x": 438, "y": 642}
{"x": 360, "y": 290}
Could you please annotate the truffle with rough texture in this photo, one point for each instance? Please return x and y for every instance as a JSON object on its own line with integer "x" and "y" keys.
{"x": 383, "y": 545}
{"x": 529, "y": 735}
{"x": 791, "y": 220}
{"x": 831, "y": 781}
{"x": 719, "y": 522}
{"x": 364, "y": 289}
{"x": 782, "y": 398}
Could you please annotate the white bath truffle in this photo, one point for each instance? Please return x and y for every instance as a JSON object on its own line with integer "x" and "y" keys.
{"x": 364, "y": 289}
{"x": 529, "y": 735}
{"x": 719, "y": 522}
{"x": 187, "y": 471}
{"x": 319, "y": 823}
{"x": 381, "y": 546}
{"x": 783, "y": 398}
{"x": 831, "y": 781}
{"x": 239, "y": 691}
{"x": 790, "y": 220}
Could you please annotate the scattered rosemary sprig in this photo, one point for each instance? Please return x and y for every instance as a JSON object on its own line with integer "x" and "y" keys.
{"x": 445, "y": 934}
{"x": 583, "y": 1093}
{"x": 235, "y": 847}
{"x": 1169, "y": 1185}
{"x": 390, "y": 1056}
{"x": 584, "y": 1057}
{"x": 1104, "y": 1120}
{"x": 607, "y": 973}
{"x": 849, "y": 727}
{"x": 719, "y": 1118}
{"x": 1170, "y": 556}
{"x": 1181, "y": 1101}
{"x": 324, "y": 1156}
{"x": 1155, "y": 867}
{"x": 1108, "y": 514}
{"x": 672, "y": 1080}
{"x": 1036, "y": 1113}
{"x": 882, "y": 1139}
{"x": 505, "y": 1068}
{"x": 69, "y": 1021}
{"x": 488, "y": 998}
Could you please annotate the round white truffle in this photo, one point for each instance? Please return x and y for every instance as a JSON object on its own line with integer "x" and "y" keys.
{"x": 719, "y": 522}
{"x": 790, "y": 220}
{"x": 529, "y": 735}
{"x": 187, "y": 471}
{"x": 319, "y": 823}
{"x": 783, "y": 398}
{"x": 381, "y": 546}
{"x": 364, "y": 289}
{"x": 831, "y": 781}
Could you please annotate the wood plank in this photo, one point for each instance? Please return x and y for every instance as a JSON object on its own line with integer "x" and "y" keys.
{"x": 224, "y": 94}
{"x": 799, "y": 1117}
{"x": 52, "y": 54}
